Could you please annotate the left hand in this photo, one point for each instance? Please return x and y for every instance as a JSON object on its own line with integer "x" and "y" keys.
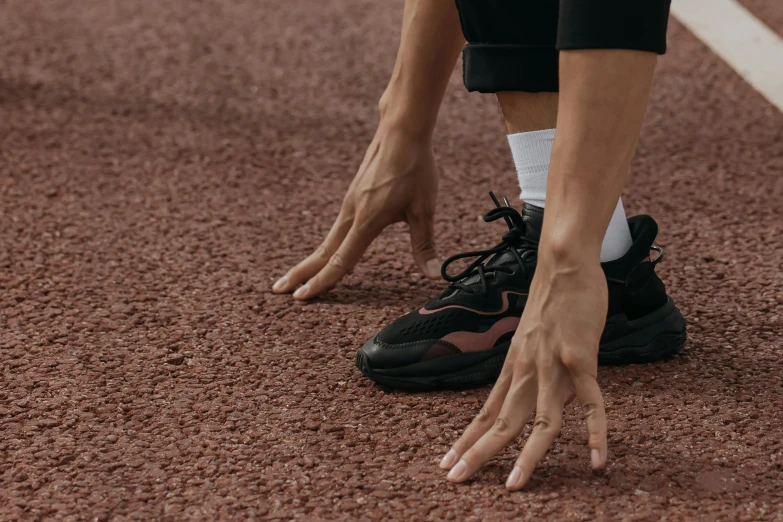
{"x": 397, "y": 181}
{"x": 553, "y": 358}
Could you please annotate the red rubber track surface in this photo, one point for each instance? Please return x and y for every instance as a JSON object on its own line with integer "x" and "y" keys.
{"x": 161, "y": 163}
{"x": 768, "y": 11}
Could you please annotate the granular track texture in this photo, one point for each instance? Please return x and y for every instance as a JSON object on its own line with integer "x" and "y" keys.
{"x": 161, "y": 163}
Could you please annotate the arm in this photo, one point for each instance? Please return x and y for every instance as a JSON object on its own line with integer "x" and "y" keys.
{"x": 397, "y": 180}
{"x": 430, "y": 43}
{"x": 602, "y": 105}
{"x": 553, "y": 355}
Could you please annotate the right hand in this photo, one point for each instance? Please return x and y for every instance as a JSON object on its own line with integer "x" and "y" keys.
{"x": 553, "y": 358}
{"x": 397, "y": 181}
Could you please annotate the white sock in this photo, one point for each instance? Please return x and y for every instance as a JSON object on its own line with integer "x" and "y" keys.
{"x": 531, "y": 152}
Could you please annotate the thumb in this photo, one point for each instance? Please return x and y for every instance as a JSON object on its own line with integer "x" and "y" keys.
{"x": 423, "y": 245}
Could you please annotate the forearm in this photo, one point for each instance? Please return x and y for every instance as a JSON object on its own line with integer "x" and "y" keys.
{"x": 430, "y": 44}
{"x": 603, "y": 99}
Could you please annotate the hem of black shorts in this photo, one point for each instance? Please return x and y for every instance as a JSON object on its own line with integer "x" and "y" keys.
{"x": 619, "y": 45}
{"x": 491, "y": 68}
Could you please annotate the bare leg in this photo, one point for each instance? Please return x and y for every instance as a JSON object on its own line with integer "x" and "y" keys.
{"x": 430, "y": 43}
{"x": 528, "y": 111}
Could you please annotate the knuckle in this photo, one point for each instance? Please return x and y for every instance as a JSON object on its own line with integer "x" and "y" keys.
{"x": 323, "y": 251}
{"x": 589, "y": 410}
{"x": 547, "y": 425}
{"x": 578, "y": 360}
{"x": 500, "y": 426}
{"x": 424, "y": 246}
{"x": 337, "y": 260}
{"x": 573, "y": 362}
{"x": 483, "y": 417}
{"x": 569, "y": 361}
{"x": 542, "y": 423}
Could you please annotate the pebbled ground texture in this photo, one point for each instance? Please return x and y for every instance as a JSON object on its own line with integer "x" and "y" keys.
{"x": 161, "y": 163}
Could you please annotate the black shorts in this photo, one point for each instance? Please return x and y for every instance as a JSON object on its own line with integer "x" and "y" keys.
{"x": 513, "y": 44}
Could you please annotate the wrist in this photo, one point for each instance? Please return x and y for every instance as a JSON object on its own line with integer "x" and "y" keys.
{"x": 567, "y": 269}
{"x": 402, "y": 113}
{"x": 568, "y": 253}
{"x": 571, "y": 236}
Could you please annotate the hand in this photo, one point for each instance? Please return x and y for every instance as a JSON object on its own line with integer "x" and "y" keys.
{"x": 397, "y": 181}
{"x": 553, "y": 358}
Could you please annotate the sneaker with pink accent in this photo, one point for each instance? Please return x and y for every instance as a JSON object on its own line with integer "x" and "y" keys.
{"x": 460, "y": 338}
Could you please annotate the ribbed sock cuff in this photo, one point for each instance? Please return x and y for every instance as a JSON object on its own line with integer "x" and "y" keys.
{"x": 531, "y": 152}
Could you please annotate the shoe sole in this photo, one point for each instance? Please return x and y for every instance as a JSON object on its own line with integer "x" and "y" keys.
{"x": 655, "y": 336}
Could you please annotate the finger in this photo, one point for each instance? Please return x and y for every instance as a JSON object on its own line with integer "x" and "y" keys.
{"x": 341, "y": 262}
{"x": 589, "y": 395}
{"x": 549, "y": 420}
{"x": 582, "y": 366}
{"x": 313, "y": 263}
{"x": 482, "y": 422}
{"x": 423, "y": 245}
{"x": 516, "y": 410}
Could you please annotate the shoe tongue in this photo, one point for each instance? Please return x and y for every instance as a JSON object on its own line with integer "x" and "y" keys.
{"x": 533, "y": 217}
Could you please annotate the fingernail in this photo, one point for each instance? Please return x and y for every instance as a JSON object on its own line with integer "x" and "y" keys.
{"x": 432, "y": 267}
{"x": 448, "y": 459}
{"x": 301, "y": 292}
{"x": 280, "y": 284}
{"x": 514, "y": 477}
{"x": 595, "y": 458}
{"x": 457, "y": 471}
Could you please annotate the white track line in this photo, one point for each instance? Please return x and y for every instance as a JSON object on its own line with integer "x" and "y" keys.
{"x": 740, "y": 39}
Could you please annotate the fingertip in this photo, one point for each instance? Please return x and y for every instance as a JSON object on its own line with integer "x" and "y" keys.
{"x": 448, "y": 460}
{"x": 432, "y": 268}
{"x": 302, "y": 292}
{"x": 459, "y": 472}
{"x": 597, "y": 460}
{"x": 281, "y": 285}
{"x": 514, "y": 481}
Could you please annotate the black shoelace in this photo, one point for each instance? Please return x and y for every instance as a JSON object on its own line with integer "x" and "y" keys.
{"x": 512, "y": 241}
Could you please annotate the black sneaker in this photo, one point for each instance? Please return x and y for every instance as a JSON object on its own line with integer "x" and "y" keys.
{"x": 460, "y": 338}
